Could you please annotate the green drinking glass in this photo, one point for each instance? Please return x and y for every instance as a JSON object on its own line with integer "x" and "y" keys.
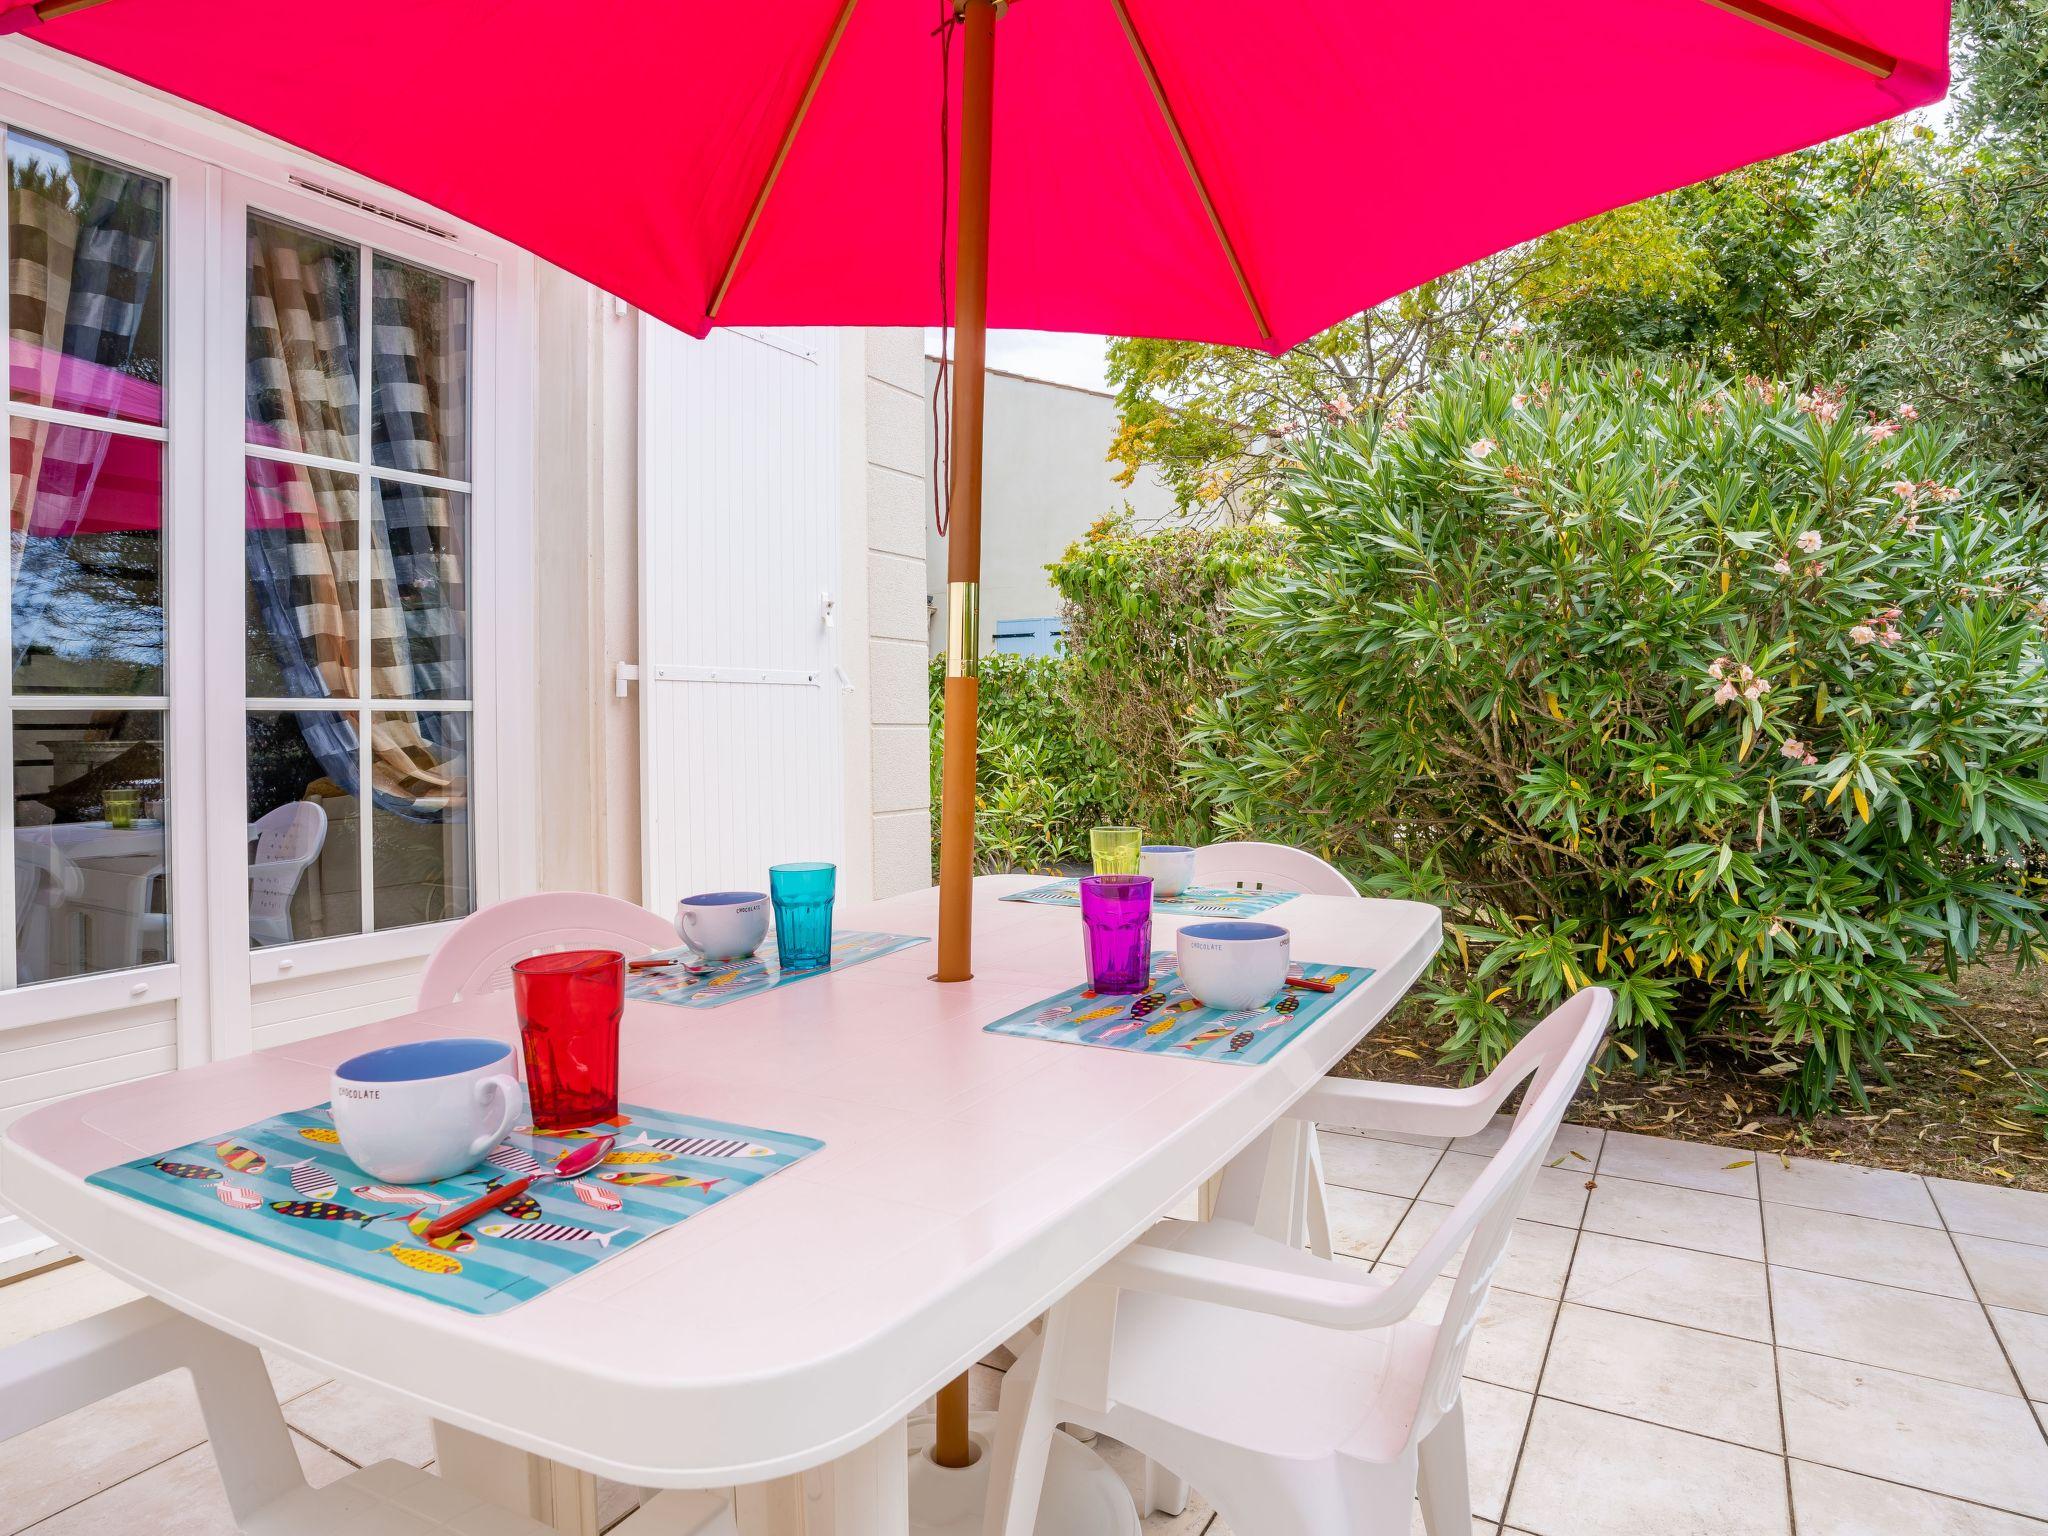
{"x": 1116, "y": 849}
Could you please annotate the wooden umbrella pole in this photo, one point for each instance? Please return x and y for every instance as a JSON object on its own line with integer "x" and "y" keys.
{"x": 963, "y": 539}
{"x": 951, "y": 1446}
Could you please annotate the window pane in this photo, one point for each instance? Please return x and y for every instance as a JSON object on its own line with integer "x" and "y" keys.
{"x": 305, "y": 315}
{"x": 419, "y": 370}
{"x": 91, "y": 887}
{"x": 305, "y": 876}
{"x": 418, "y": 609}
{"x": 420, "y": 857}
{"x": 84, "y": 283}
{"x": 86, "y": 541}
{"x": 302, "y": 551}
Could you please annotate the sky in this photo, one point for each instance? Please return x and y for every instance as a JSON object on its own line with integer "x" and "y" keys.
{"x": 1059, "y": 356}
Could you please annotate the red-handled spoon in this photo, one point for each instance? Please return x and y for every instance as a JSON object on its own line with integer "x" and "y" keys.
{"x": 577, "y": 1160}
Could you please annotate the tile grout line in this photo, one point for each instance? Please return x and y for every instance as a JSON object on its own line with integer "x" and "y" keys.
{"x": 1507, "y": 1493}
{"x": 2004, "y": 1352}
{"x": 1777, "y": 1376}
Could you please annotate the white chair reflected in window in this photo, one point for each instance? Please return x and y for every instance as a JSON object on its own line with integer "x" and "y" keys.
{"x": 1301, "y": 1394}
{"x": 46, "y": 921}
{"x": 286, "y": 840}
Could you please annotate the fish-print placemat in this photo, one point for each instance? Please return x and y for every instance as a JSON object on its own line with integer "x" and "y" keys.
{"x": 1195, "y": 901}
{"x": 285, "y": 1182}
{"x": 692, "y": 983}
{"x": 1165, "y": 1021}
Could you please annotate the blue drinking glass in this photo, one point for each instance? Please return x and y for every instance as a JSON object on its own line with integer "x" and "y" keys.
{"x": 802, "y": 894}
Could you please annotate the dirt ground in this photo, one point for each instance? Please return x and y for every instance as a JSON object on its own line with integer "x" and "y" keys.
{"x": 1953, "y": 1109}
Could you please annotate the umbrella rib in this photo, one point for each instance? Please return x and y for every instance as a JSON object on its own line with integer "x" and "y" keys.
{"x": 796, "y": 122}
{"x": 1870, "y": 60}
{"x": 1194, "y": 171}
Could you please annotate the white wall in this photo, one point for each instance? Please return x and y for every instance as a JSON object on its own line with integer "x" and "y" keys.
{"x": 896, "y": 721}
{"x": 1045, "y": 478}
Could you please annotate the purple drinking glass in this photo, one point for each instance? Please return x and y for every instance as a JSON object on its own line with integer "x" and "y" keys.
{"x": 1116, "y": 924}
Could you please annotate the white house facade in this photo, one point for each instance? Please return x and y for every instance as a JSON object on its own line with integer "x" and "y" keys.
{"x": 366, "y": 569}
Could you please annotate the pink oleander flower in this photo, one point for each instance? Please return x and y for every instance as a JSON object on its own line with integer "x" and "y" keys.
{"x": 1878, "y": 431}
{"x": 1481, "y": 447}
{"x": 1905, "y": 411}
{"x": 1717, "y": 667}
{"x": 1809, "y": 760}
{"x": 1910, "y": 523}
{"x": 1725, "y": 694}
{"x": 1755, "y": 689}
{"x": 1810, "y": 541}
{"x": 1517, "y": 327}
{"x": 1793, "y": 748}
{"x": 1943, "y": 493}
{"x": 1822, "y": 404}
{"x": 1905, "y": 490}
{"x": 1862, "y": 634}
{"x": 1520, "y": 401}
{"x": 1782, "y": 566}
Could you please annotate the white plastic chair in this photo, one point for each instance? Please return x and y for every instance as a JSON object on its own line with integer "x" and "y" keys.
{"x": 1307, "y": 1402}
{"x": 59, "y": 1372}
{"x": 1269, "y": 866}
{"x": 477, "y": 958}
{"x": 288, "y": 839}
{"x": 1277, "y": 867}
{"x": 75, "y": 1366}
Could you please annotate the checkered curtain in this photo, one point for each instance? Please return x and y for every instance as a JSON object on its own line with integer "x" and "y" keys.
{"x": 82, "y": 252}
{"x": 302, "y": 547}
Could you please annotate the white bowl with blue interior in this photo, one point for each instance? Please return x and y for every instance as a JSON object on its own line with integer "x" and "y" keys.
{"x": 1171, "y": 866}
{"x": 1233, "y": 964}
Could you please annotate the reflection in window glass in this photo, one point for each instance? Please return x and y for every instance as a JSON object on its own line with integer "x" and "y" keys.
{"x": 86, "y": 542}
{"x": 305, "y": 876}
{"x": 419, "y": 370}
{"x": 91, "y": 881}
{"x": 305, "y": 319}
{"x": 85, "y": 283}
{"x": 302, "y": 546}
{"x": 418, "y": 614}
{"x": 420, "y": 852}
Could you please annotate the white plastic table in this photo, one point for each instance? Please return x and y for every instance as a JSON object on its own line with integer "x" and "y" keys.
{"x": 968, "y": 1180}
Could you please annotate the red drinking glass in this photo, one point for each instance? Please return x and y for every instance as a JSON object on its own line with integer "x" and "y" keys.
{"x": 569, "y": 1006}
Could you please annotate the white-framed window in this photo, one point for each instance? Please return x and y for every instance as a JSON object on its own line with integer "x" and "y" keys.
{"x": 258, "y": 708}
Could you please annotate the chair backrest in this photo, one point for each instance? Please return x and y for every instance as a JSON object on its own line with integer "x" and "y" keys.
{"x": 1273, "y": 866}
{"x": 291, "y": 833}
{"x": 477, "y": 958}
{"x": 1554, "y": 1057}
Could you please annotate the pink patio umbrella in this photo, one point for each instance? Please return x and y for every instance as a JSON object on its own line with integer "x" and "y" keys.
{"x": 1205, "y": 169}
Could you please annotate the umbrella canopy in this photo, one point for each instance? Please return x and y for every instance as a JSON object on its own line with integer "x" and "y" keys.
{"x": 1202, "y": 169}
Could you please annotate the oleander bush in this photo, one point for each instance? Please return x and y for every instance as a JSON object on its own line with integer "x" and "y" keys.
{"x": 1726, "y": 696}
{"x": 1147, "y": 642}
{"x": 1040, "y": 782}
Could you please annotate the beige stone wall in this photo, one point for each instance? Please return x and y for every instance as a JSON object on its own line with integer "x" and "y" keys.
{"x": 898, "y": 726}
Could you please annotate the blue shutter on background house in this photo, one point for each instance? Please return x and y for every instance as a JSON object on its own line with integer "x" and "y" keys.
{"x": 1029, "y": 637}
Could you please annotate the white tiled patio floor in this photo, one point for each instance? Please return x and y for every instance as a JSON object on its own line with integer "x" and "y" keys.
{"x": 1674, "y": 1345}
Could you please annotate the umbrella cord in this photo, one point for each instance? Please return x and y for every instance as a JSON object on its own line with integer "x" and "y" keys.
{"x": 942, "y": 382}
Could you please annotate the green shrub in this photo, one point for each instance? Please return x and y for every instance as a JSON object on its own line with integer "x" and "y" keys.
{"x": 1146, "y": 642}
{"x": 1730, "y": 699}
{"x": 1040, "y": 785}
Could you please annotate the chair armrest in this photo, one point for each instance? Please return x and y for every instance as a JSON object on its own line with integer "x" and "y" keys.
{"x": 1348, "y": 1103}
{"x": 1146, "y": 1266}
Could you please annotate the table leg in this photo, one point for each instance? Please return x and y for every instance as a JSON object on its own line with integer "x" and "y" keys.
{"x": 770, "y": 1509}
{"x": 556, "y": 1495}
{"x": 866, "y": 1492}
